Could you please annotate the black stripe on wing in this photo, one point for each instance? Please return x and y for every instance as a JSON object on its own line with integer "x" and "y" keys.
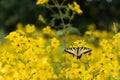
{"x": 86, "y": 50}
{"x": 72, "y": 51}
{"x": 82, "y": 50}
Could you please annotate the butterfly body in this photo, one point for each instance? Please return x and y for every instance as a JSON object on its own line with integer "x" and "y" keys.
{"x": 78, "y": 51}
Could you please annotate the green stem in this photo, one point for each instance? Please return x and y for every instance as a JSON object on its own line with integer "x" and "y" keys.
{"x": 115, "y": 29}
{"x": 73, "y": 14}
{"x": 61, "y": 17}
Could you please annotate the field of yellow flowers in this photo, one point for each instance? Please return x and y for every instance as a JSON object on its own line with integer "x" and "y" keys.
{"x": 32, "y": 54}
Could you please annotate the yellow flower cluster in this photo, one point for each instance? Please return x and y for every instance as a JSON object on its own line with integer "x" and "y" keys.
{"x": 33, "y": 56}
{"x": 41, "y": 2}
{"x": 48, "y": 31}
{"x": 75, "y": 7}
{"x": 55, "y": 42}
{"x": 79, "y": 43}
{"x": 30, "y": 28}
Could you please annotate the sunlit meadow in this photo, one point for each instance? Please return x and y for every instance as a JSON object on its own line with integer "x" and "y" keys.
{"x": 29, "y": 53}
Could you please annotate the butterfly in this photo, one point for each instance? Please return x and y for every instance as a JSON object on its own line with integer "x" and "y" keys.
{"x": 78, "y": 51}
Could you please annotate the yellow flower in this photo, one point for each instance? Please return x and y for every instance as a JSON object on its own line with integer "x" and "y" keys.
{"x": 106, "y": 46}
{"x": 20, "y": 28}
{"x": 88, "y": 32}
{"x": 30, "y": 42}
{"x": 91, "y": 27}
{"x": 100, "y": 63}
{"x": 81, "y": 71}
{"x": 30, "y": 28}
{"x": 75, "y": 7}
{"x": 41, "y": 2}
{"x": 17, "y": 46}
{"x": 79, "y": 43}
{"x": 48, "y": 49}
{"x": 70, "y": 6}
{"x": 47, "y": 30}
{"x": 13, "y": 36}
{"x": 7, "y": 57}
{"x": 53, "y": 32}
{"x": 103, "y": 42}
{"x": 45, "y": 60}
{"x": 41, "y": 18}
{"x": 41, "y": 41}
{"x": 55, "y": 42}
{"x": 112, "y": 69}
{"x": 103, "y": 73}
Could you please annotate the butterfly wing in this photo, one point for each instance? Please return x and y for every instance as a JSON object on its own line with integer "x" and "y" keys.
{"x": 72, "y": 51}
{"x": 82, "y": 50}
{"x": 78, "y": 51}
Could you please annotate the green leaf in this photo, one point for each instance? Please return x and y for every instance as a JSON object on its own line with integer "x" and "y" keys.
{"x": 52, "y": 22}
{"x": 73, "y": 30}
{"x": 59, "y": 33}
{"x": 57, "y": 16}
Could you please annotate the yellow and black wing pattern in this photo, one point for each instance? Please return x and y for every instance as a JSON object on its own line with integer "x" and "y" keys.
{"x": 78, "y": 51}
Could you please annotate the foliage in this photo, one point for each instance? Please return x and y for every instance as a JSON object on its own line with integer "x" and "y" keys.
{"x": 12, "y": 12}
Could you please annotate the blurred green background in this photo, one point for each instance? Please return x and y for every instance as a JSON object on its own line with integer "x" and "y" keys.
{"x": 100, "y": 12}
